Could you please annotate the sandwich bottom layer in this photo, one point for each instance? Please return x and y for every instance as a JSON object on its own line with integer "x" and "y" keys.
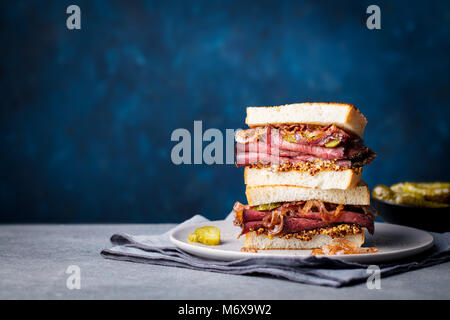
{"x": 308, "y": 239}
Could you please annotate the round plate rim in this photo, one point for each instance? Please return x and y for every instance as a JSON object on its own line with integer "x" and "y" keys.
{"x": 229, "y": 255}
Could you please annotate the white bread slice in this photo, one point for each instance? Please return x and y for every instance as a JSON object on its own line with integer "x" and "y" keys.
{"x": 360, "y": 195}
{"x": 261, "y": 242}
{"x": 345, "y": 116}
{"x": 327, "y": 179}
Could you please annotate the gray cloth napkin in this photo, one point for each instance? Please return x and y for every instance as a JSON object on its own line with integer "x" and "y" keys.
{"x": 157, "y": 249}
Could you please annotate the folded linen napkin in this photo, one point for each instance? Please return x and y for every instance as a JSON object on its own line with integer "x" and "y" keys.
{"x": 159, "y": 250}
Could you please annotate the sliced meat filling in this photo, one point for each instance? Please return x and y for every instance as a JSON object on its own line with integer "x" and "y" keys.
{"x": 292, "y": 217}
{"x": 276, "y": 146}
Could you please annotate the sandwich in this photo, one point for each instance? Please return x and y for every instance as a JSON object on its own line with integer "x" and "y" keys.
{"x": 293, "y": 217}
{"x": 314, "y": 145}
{"x": 303, "y": 165}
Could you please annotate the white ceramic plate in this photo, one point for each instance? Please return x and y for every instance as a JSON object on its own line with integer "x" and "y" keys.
{"x": 392, "y": 241}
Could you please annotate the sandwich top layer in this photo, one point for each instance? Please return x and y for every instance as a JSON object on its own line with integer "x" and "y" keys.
{"x": 345, "y": 116}
{"x": 258, "y": 195}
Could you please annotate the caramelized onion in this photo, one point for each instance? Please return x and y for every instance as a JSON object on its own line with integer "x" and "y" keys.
{"x": 274, "y": 222}
{"x": 333, "y": 215}
{"x": 308, "y": 206}
{"x": 341, "y": 246}
{"x": 238, "y": 210}
{"x": 250, "y": 135}
{"x": 325, "y": 215}
{"x": 313, "y": 134}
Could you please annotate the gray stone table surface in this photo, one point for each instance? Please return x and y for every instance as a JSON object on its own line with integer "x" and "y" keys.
{"x": 34, "y": 259}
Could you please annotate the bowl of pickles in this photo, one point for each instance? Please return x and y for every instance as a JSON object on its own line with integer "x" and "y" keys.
{"x": 422, "y": 205}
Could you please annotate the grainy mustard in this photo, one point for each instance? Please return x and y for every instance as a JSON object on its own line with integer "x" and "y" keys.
{"x": 312, "y": 167}
{"x": 338, "y": 231}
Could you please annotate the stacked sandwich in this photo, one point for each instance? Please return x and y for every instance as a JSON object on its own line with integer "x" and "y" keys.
{"x": 303, "y": 165}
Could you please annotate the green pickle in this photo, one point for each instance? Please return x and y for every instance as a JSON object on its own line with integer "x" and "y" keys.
{"x": 192, "y": 237}
{"x": 332, "y": 143}
{"x": 207, "y": 235}
{"x": 429, "y": 195}
{"x": 398, "y": 187}
{"x": 290, "y": 138}
{"x": 434, "y": 185}
{"x": 438, "y": 192}
{"x": 310, "y": 135}
{"x": 435, "y": 191}
{"x": 268, "y": 206}
{"x": 417, "y": 201}
{"x": 383, "y": 192}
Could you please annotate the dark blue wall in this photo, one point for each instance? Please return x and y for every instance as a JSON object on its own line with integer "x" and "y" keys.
{"x": 86, "y": 116}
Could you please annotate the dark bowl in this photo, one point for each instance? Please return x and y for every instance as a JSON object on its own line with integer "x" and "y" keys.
{"x": 430, "y": 219}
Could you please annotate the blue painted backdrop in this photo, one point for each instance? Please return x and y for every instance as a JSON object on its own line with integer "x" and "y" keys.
{"x": 86, "y": 116}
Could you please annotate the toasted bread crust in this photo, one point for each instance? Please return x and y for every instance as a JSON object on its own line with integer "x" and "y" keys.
{"x": 256, "y": 195}
{"x": 344, "y": 115}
